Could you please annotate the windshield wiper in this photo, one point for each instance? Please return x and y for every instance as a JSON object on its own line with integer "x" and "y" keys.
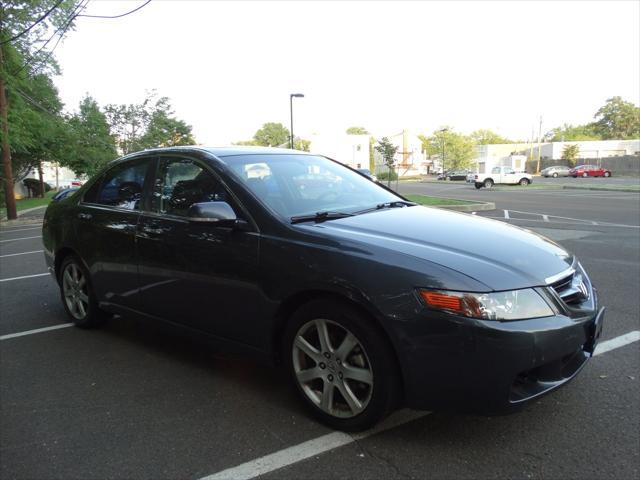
{"x": 320, "y": 217}
{"x": 394, "y": 204}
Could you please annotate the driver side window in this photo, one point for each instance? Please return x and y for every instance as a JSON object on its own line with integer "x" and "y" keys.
{"x": 180, "y": 183}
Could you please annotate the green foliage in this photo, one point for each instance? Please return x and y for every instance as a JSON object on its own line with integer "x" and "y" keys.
{"x": 570, "y": 153}
{"x": 388, "y": 151}
{"x": 244, "y": 142}
{"x": 148, "y": 124}
{"x": 271, "y": 135}
{"x": 488, "y": 137}
{"x": 91, "y": 145}
{"x": 458, "y": 149}
{"x": 372, "y": 159}
{"x": 302, "y": 144}
{"x": 357, "y": 131}
{"x": 618, "y": 119}
{"x": 571, "y": 133}
{"x": 389, "y": 175}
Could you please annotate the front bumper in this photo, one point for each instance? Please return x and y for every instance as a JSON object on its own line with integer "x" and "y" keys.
{"x": 490, "y": 367}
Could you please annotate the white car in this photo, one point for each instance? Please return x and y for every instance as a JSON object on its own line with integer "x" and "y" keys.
{"x": 502, "y": 175}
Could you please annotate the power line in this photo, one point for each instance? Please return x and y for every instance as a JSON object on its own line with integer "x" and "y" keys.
{"x": 78, "y": 8}
{"x": 40, "y": 20}
{"x": 118, "y": 16}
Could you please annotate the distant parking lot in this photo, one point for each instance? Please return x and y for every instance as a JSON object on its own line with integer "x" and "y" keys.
{"x": 135, "y": 401}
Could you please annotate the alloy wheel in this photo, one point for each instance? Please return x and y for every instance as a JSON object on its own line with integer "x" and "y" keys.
{"x": 74, "y": 288}
{"x": 332, "y": 368}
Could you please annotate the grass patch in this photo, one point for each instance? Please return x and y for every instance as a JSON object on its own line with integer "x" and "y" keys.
{"x": 26, "y": 203}
{"x": 436, "y": 201}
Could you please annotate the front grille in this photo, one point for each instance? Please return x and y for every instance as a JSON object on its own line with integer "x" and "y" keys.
{"x": 572, "y": 288}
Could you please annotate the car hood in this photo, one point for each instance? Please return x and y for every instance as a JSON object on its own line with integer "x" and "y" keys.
{"x": 498, "y": 255}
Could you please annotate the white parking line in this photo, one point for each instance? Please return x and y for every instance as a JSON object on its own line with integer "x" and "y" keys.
{"x": 21, "y": 230}
{"x": 331, "y": 441}
{"x": 23, "y": 253}
{"x": 23, "y": 277}
{"x": 37, "y": 330}
{"x": 506, "y": 214}
{"x": 23, "y": 238}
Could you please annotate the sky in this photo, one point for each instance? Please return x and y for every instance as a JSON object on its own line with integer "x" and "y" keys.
{"x": 229, "y": 67}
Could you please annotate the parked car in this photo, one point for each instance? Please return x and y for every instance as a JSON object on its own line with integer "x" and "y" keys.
{"x": 502, "y": 175}
{"x": 555, "y": 171}
{"x": 589, "y": 171}
{"x": 454, "y": 175}
{"x": 367, "y": 172}
{"x": 368, "y": 300}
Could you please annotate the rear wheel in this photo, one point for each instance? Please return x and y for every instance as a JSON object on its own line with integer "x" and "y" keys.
{"x": 447, "y": 178}
{"x": 78, "y": 298}
{"x": 488, "y": 183}
{"x": 524, "y": 182}
{"x": 341, "y": 365}
{"x": 478, "y": 185}
{"x": 607, "y": 174}
{"x": 555, "y": 175}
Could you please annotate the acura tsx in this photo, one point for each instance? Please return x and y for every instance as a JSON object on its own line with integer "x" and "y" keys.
{"x": 368, "y": 300}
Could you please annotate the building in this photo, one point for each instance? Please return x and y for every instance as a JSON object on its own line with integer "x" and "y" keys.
{"x": 589, "y": 149}
{"x": 352, "y": 150}
{"x": 500, "y": 155}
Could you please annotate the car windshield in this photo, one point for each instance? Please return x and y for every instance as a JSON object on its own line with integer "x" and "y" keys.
{"x": 297, "y": 185}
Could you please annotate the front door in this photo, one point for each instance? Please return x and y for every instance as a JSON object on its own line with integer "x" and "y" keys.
{"x": 196, "y": 274}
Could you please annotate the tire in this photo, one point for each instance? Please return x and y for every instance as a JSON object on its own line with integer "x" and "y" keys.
{"x": 77, "y": 295}
{"x": 607, "y": 174}
{"x": 524, "y": 182}
{"x": 367, "y": 354}
{"x": 448, "y": 179}
{"x": 478, "y": 185}
{"x": 555, "y": 175}
{"x": 585, "y": 175}
{"x": 488, "y": 183}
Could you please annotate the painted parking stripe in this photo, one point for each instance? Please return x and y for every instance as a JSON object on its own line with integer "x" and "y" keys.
{"x": 621, "y": 341}
{"x": 21, "y": 230}
{"x": 310, "y": 448}
{"x": 23, "y": 253}
{"x": 37, "y": 330}
{"x": 23, "y": 238}
{"x": 331, "y": 441}
{"x": 23, "y": 277}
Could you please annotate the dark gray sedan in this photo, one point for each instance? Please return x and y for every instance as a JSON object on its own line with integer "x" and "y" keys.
{"x": 368, "y": 300}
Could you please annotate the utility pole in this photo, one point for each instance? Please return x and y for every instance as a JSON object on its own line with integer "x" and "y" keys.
{"x": 7, "y": 173}
{"x": 539, "y": 144}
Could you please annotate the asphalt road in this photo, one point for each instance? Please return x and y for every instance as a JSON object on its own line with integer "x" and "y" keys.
{"x": 135, "y": 401}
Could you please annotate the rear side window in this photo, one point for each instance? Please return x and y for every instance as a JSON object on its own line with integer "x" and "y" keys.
{"x": 121, "y": 186}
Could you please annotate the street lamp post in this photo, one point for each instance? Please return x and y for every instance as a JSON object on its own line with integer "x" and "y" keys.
{"x": 299, "y": 95}
{"x": 443, "y": 131}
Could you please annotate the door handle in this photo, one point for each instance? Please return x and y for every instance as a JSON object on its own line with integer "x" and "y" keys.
{"x": 85, "y": 216}
{"x": 153, "y": 231}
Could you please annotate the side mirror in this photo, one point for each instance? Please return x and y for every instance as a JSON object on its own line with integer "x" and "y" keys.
{"x": 219, "y": 213}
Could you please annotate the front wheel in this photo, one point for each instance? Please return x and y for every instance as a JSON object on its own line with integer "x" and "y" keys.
{"x": 342, "y": 366}
{"x": 524, "y": 182}
{"x": 585, "y": 175}
{"x": 78, "y": 298}
{"x": 555, "y": 175}
{"x": 607, "y": 174}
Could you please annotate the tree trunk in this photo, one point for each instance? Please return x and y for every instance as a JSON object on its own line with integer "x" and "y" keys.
{"x": 41, "y": 179}
{"x": 6, "y": 153}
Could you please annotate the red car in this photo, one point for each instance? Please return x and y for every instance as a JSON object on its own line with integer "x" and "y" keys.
{"x": 589, "y": 171}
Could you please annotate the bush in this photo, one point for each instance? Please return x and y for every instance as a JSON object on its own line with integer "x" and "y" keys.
{"x": 33, "y": 185}
{"x": 385, "y": 175}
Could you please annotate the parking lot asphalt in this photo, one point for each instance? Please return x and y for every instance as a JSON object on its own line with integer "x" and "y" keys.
{"x": 134, "y": 400}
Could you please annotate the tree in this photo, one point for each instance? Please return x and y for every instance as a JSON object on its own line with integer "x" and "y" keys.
{"x": 618, "y": 119}
{"x": 271, "y": 135}
{"x": 302, "y": 144}
{"x": 92, "y": 145}
{"x": 146, "y": 125}
{"x": 571, "y": 133}
{"x": 388, "y": 151}
{"x": 488, "y": 137}
{"x": 244, "y": 142}
{"x": 24, "y": 24}
{"x": 357, "y": 131}
{"x": 570, "y": 153}
{"x": 458, "y": 149}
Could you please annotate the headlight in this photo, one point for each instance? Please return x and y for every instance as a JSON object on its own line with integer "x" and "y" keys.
{"x": 512, "y": 305}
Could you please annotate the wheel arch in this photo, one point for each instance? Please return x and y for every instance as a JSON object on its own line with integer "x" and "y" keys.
{"x": 60, "y": 255}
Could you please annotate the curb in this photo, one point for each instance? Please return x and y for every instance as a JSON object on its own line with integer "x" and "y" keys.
{"x": 472, "y": 207}
{"x": 602, "y": 189}
{"x": 18, "y": 221}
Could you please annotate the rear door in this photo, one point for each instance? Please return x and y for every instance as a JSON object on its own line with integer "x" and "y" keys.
{"x": 106, "y": 224}
{"x": 197, "y": 274}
